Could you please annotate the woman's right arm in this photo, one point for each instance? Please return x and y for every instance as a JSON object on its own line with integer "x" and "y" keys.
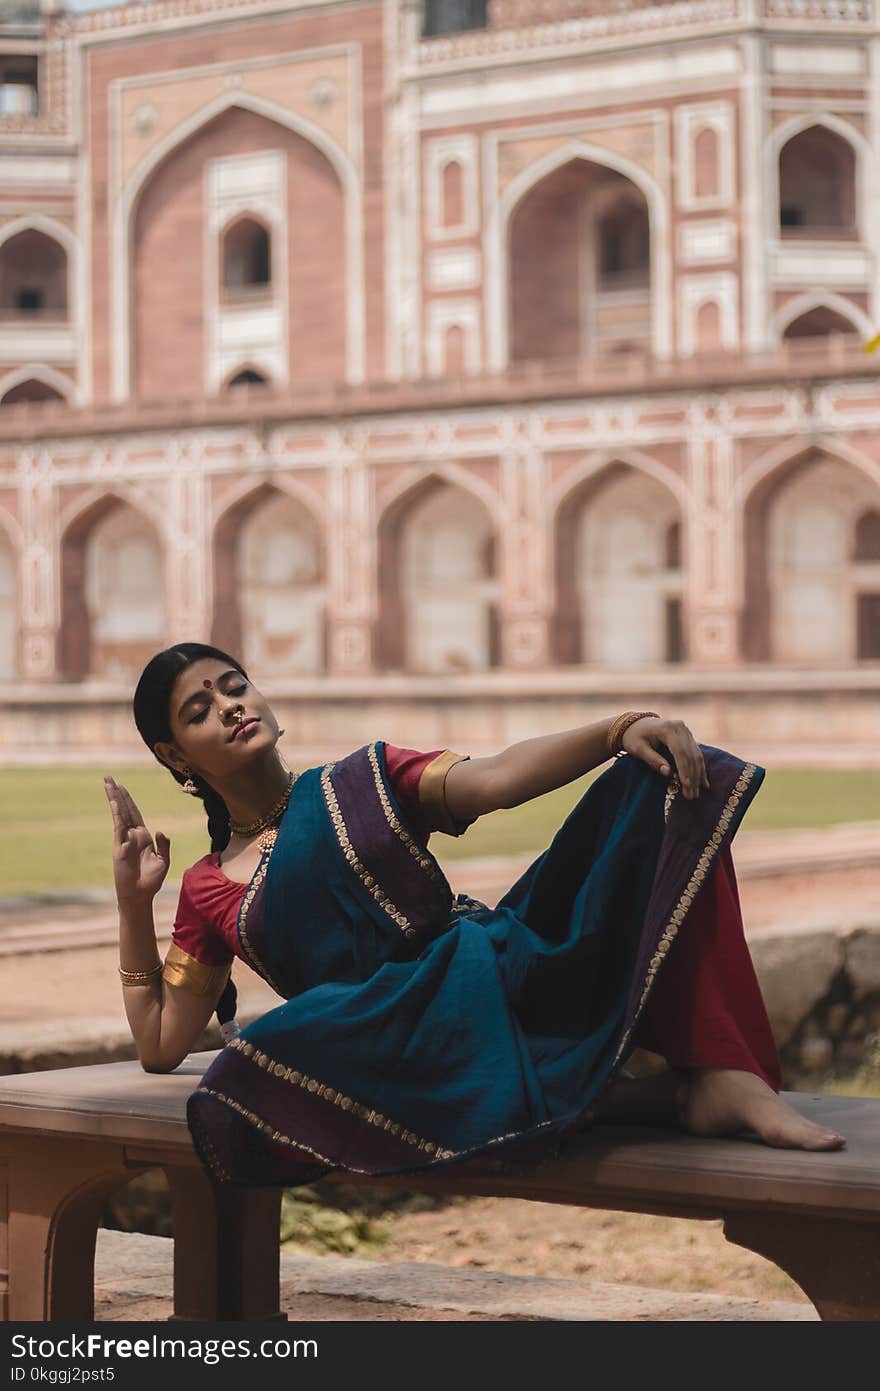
{"x": 165, "y": 1021}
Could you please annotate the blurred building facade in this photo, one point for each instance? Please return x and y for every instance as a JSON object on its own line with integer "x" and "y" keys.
{"x": 442, "y": 351}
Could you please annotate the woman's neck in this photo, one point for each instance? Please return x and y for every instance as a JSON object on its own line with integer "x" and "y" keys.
{"x": 255, "y": 791}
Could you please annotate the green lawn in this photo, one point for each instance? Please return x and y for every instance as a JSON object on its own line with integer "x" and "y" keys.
{"x": 56, "y": 828}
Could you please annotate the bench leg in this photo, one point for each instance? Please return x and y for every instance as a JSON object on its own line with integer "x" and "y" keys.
{"x": 227, "y": 1256}
{"x": 836, "y": 1263}
{"x": 52, "y": 1195}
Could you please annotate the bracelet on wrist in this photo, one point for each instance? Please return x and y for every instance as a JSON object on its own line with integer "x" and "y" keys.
{"x": 621, "y": 725}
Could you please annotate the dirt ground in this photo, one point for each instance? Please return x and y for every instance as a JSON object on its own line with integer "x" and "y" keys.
{"x": 569, "y": 1243}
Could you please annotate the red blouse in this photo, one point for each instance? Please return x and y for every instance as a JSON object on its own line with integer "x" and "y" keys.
{"x": 205, "y": 925}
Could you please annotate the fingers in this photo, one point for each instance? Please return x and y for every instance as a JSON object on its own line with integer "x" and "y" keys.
{"x": 120, "y": 830}
{"x": 689, "y": 762}
{"x": 134, "y": 814}
{"x": 163, "y": 847}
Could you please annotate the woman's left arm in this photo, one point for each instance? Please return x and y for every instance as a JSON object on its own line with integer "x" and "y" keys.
{"x": 534, "y": 766}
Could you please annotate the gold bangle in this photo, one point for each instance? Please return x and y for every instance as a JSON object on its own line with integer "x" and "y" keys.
{"x": 140, "y": 977}
{"x": 621, "y": 725}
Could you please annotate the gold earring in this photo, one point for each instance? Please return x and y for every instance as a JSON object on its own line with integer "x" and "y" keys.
{"x": 189, "y": 785}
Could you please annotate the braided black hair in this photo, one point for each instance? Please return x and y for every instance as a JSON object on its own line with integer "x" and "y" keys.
{"x": 151, "y": 706}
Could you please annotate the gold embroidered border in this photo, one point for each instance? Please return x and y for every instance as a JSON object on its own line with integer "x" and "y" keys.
{"x": 672, "y": 792}
{"x": 258, "y": 877}
{"x": 348, "y": 851}
{"x": 192, "y": 975}
{"x": 345, "y": 1103}
{"x": 694, "y": 884}
{"x": 425, "y": 862}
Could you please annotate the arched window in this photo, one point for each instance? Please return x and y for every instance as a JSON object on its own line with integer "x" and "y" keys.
{"x": 33, "y": 277}
{"x": 867, "y": 537}
{"x": 624, "y": 247}
{"x": 248, "y": 377}
{"x": 246, "y": 259}
{"x": 819, "y": 322}
{"x": 817, "y": 186}
{"x": 31, "y": 390}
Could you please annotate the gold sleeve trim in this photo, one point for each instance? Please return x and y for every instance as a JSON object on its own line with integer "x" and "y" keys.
{"x": 197, "y": 977}
{"x": 432, "y": 792}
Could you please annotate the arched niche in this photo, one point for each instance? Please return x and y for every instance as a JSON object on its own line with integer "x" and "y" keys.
{"x": 579, "y": 239}
{"x": 113, "y": 615}
{"x": 819, "y": 322}
{"x": 452, "y": 194}
{"x": 31, "y": 389}
{"x": 169, "y": 307}
{"x": 817, "y": 186}
{"x": 270, "y": 591}
{"x": 438, "y": 587}
{"x": 33, "y": 278}
{"x": 8, "y": 609}
{"x": 619, "y": 578}
{"x": 245, "y": 260}
{"x": 246, "y": 377}
{"x": 808, "y": 597}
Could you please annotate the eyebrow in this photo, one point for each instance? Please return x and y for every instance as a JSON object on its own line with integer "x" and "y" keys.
{"x": 198, "y": 695}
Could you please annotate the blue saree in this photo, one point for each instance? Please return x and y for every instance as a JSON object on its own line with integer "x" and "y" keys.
{"x": 419, "y": 1029}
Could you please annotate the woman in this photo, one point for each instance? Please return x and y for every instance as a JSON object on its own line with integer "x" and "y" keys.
{"x": 415, "y": 1029}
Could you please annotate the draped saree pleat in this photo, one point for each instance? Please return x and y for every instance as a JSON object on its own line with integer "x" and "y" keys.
{"x": 419, "y": 1029}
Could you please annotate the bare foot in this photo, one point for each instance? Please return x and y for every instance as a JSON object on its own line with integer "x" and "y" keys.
{"x": 721, "y": 1101}
{"x": 657, "y": 1099}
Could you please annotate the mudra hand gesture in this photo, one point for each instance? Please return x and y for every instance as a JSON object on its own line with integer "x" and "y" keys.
{"x": 139, "y": 864}
{"x": 644, "y": 738}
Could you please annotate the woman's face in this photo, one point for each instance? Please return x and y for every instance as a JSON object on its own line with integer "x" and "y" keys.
{"x": 208, "y": 735}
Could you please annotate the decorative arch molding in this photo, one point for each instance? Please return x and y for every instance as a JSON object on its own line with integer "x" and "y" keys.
{"x": 126, "y": 204}
{"x": 77, "y": 512}
{"x": 497, "y": 258}
{"x": 37, "y": 372}
{"x": 411, "y": 485}
{"x": 251, "y": 492}
{"x": 802, "y": 304}
{"x": 39, "y": 222}
{"x": 780, "y": 137}
{"x": 781, "y": 456}
{"x": 594, "y": 465}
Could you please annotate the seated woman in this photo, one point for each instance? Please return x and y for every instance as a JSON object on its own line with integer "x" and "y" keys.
{"x": 416, "y": 1029}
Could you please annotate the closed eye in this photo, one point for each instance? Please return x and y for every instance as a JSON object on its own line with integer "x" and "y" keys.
{"x": 200, "y": 717}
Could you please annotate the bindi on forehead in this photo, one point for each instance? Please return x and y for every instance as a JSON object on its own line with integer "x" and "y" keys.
{"x": 208, "y": 684}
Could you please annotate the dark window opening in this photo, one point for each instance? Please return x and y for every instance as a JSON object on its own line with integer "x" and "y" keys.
{"x": 674, "y": 631}
{"x": 18, "y": 85}
{"x": 248, "y": 377}
{"x": 453, "y": 16}
{"x": 867, "y": 547}
{"x": 791, "y": 217}
{"x": 868, "y": 627}
{"x": 247, "y": 257}
{"x": 29, "y": 299}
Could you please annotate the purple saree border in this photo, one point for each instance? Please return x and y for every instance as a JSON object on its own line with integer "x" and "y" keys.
{"x": 391, "y": 865}
{"x": 699, "y": 828}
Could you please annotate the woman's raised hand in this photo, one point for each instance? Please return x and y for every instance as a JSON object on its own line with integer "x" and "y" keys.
{"x": 643, "y": 739}
{"x": 139, "y": 865}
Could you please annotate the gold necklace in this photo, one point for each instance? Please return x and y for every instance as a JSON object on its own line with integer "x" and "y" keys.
{"x": 264, "y": 823}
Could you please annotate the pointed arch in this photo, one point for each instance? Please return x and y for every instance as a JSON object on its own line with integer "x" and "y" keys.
{"x": 239, "y": 622}
{"x": 498, "y": 240}
{"x": 472, "y": 613}
{"x": 811, "y": 299}
{"x": 655, "y": 586}
{"x": 77, "y": 656}
{"x": 347, "y": 171}
{"x": 759, "y": 492}
{"x": 37, "y": 372}
{"x": 778, "y": 138}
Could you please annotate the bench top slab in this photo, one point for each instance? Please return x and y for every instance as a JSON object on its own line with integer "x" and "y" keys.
{"x": 122, "y": 1103}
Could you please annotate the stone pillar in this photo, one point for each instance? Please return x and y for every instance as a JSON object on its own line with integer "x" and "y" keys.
{"x": 351, "y": 579}
{"x": 525, "y": 597}
{"x": 187, "y": 543}
{"x": 39, "y": 615}
{"x": 710, "y": 617}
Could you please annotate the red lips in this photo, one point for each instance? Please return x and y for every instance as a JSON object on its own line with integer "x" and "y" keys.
{"x": 254, "y": 719}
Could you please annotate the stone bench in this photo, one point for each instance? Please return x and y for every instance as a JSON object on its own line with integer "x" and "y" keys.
{"x": 68, "y": 1138}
